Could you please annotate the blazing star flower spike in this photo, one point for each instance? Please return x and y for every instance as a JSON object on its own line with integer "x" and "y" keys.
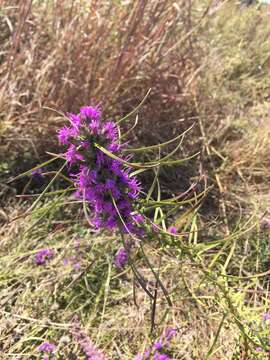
{"x": 105, "y": 184}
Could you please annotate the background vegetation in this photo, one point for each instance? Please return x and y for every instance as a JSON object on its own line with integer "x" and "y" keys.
{"x": 207, "y": 64}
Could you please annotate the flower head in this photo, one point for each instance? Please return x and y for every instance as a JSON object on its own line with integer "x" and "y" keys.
{"x": 172, "y": 230}
{"x": 37, "y": 173}
{"x": 158, "y": 356}
{"x": 158, "y": 345}
{"x": 42, "y": 256}
{"x": 47, "y": 347}
{"x": 265, "y": 224}
{"x": 90, "y": 113}
{"x": 266, "y": 316}
{"x": 121, "y": 258}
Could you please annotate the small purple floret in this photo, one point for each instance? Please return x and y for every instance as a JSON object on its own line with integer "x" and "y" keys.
{"x": 37, "y": 173}
{"x": 65, "y": 134}
{"x": 90, "y": 112}
{"x": 121, "y": 258}
{"x": 42, "y": 256}
{"x": 159, "y": 350}
{"x": 47, "y": 347}
{"x": 138, "y": 218}
{"x": 173, "y": 230}
{"x": 266, "y": 316}
{"x": 161, "y": 357}
{"x": 138, "y": 357}
{"x": 75, "y": 120}
{"x": 85, "y": 343}
{"x": 265, "y": 224}
{"x": 169, "y": 333}
{"x": 158, "y": 346}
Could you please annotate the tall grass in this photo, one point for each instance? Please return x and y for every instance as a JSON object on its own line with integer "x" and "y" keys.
{"x": 64, "y": 54}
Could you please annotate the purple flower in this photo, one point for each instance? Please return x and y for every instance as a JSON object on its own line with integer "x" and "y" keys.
{"x": 90, "y": 112}
{"x": 115, "y": 167}
{"x": 77, "y": 265}
{"x": 146, "y": 353}
{"x": 47, "y": 347}
{"x": 104, "y": 183}
{"x": 75, "y": 120}
{"x": 65, "y": 134}
{"x": 169, "y": 333}
{"x": 110, "y": 184}
{"x": 114, "y": 147}
{"x": 65, "y": 261}
{"x": 100, "y": 158}
{"x": 265, "y": 224}
{"x": 158, "y": 356}
{"x": 266, "y": 316}
{"x": 42, "y": 256}
{"x": 138, "y": 218}
{"x": 37, "y": 174}
{"x": 94, "y": 126}
{"x": 158, "y": 346}
{"x": 110, "y": 130}
{"x": 134, "y": 186}
{"x": 72, "y": 155}
{"x": 91, "y": 352}
{"x": 172, "y": 230}
{"x": 121, "y": 258}
{"x": 138, "y": 357}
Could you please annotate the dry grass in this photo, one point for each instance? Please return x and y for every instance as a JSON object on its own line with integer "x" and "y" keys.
{"x": 38, "y": 303}
{"x": 66, "y": 54}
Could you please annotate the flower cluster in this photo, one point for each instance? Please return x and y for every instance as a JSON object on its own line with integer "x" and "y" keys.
{"x": 160, "y": 348}
{"x": 98, "y": 177}
{"x": 90, "y": 351}
{"x": 265, "y": 224}
{"x": 47, "y": 348}
{"x": 37, "y": 173}
{"x": 121, "y": 258}
{"x": 42, "y": 256}
{"x": 172, "y": 230}
{"x": 266, "y": 316}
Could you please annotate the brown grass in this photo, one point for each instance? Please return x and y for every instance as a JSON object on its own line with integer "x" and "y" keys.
{"x": 63, "y": 55}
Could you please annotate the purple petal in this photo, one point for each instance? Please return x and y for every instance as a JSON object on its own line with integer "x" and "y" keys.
{"x": 172, "y": 230}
